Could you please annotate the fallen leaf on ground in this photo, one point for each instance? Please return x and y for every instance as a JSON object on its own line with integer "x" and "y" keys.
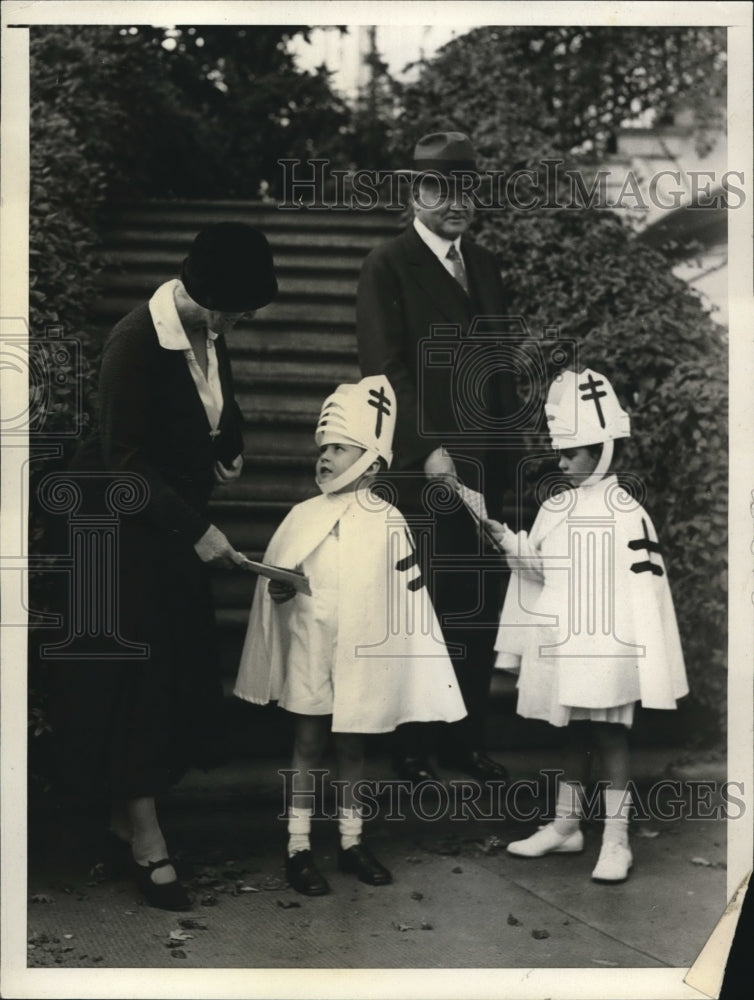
{"x": 701, "y": 861}
{"x": 449, "y": 845}
{"x": 457, "y": 870}
{"x": 68, "y": 936}
{"x": 426, "y": 926}
{"x": 271, "y": 883}
{"x": 417, "y": 895}
{"x": 248, "y": 888}
{"x": 540, "y": 935}
{"x": 513, "y": 921}
{"x": 400, "y": 926}
{"x": 288, "y": 904}
{"x": 491, "y": 844}
{"x": 180, "y": 936}
{"x": 42, "y": 897}
{"x": 648, "y": 834}
{"x": 178, "y": 953}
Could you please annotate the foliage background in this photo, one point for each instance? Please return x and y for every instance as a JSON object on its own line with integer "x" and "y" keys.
{"x": 124, "y": 113}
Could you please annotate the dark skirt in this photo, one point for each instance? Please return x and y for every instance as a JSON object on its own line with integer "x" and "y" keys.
{"x": 130, "y": 727}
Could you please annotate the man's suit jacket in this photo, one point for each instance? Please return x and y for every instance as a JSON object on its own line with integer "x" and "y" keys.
{"x": 404, "y": 291}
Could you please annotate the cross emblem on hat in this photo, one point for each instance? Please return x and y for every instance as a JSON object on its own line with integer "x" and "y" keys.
{"x": 382, "y": 403}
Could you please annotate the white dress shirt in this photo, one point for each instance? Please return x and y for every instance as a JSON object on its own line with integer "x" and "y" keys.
{"x": 172, "y": 337}
{"x": 438, "y": 245}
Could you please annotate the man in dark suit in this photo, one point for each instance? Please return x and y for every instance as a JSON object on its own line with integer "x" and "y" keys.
{"x": 448, "y": 404}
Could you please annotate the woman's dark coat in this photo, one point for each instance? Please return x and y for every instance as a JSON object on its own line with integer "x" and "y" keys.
{"x": 131, "y": 726}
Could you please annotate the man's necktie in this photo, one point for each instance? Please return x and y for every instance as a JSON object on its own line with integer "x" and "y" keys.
{"x": 456, "y": 263}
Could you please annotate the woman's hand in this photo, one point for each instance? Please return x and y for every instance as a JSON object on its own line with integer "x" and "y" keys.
{"x": 214, "y": 548}
{"x": 225, "y": 475}
{"x": 280, "y": 592}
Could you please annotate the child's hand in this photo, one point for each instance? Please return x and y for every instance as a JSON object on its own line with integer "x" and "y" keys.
{"x": 280, "y": 592}
{"x": 495, "y": 532}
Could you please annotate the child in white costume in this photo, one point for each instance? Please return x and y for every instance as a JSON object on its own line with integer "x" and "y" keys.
{"x": 588, "y": 617}
{"x": 364, "y": 653}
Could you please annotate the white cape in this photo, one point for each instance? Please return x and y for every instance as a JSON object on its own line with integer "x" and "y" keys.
{"x": 589, "y": 608}
{"x": 391, "y": 665}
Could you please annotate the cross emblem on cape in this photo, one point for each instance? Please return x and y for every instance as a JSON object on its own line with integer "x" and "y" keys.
{"x": 646, "y": 566}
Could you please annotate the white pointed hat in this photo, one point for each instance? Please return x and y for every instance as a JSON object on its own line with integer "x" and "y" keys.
{"x": 360, "y": 413}
{"x": 582, "y": 409}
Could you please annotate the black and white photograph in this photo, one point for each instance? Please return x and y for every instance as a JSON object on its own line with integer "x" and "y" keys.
{"x": 377, "y": 499}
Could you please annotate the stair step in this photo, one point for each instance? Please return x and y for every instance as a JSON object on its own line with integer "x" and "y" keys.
{"x": 111, "y": 308}
{"x": 305, "y": 373}
{"x": 256, "y": 339}
{"x": 288, "y": 260}
{"x": 297, "y": 484}
{"x": 356, "y": 242}
{"x": 261, "y": 444}
{"x": 193, "y": 215}
{"x": 311, "y": 287}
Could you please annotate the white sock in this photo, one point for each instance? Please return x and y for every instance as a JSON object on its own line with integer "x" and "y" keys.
{"x": 568, "y": 807}
{"x": 617, "y": 809}
{"x": 349, "y": 826}
{"x": 299, "y": 825}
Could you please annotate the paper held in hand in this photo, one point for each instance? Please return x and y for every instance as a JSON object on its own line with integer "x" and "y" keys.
{"x": 297, "y": 580}
{"x": 474, "y": 503}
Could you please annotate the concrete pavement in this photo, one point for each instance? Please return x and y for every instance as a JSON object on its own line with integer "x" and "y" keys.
{"x": 458, "y": 900}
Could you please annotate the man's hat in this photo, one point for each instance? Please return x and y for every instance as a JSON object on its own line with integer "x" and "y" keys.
{"x": 444, "y": 153}
{"x": 582, "y": 409}
{"x": 362, "y": 414}
{"x": 230, "y": 268}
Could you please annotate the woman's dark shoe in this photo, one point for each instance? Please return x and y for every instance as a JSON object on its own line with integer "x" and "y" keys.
{"x": 303, "y": 875}
{"x": 164, "y": 896}
{"x": 360, "y": 861}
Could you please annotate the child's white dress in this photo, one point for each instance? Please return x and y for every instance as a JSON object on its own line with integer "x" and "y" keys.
{"x": 366, "y": 646}
{"x": 588, "y": 616}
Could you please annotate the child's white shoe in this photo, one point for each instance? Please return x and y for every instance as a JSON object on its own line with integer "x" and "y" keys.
{"x": 547, "y": 840}
{"x": 614, "y": 862}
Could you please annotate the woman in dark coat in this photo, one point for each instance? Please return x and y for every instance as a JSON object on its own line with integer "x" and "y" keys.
{"x": 168, "y": 415}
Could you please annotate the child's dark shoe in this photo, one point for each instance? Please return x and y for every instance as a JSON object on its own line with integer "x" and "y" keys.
{"x": 360, "y": 861}
{"x": 303, "y": 875}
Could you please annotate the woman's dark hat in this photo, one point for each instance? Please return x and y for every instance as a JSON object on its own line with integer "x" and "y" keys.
{"x": 230, "y": 268}
{"x": 445, "y": 153}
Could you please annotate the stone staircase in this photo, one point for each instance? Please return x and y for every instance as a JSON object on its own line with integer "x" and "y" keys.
{"x": 285, "y": 361}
